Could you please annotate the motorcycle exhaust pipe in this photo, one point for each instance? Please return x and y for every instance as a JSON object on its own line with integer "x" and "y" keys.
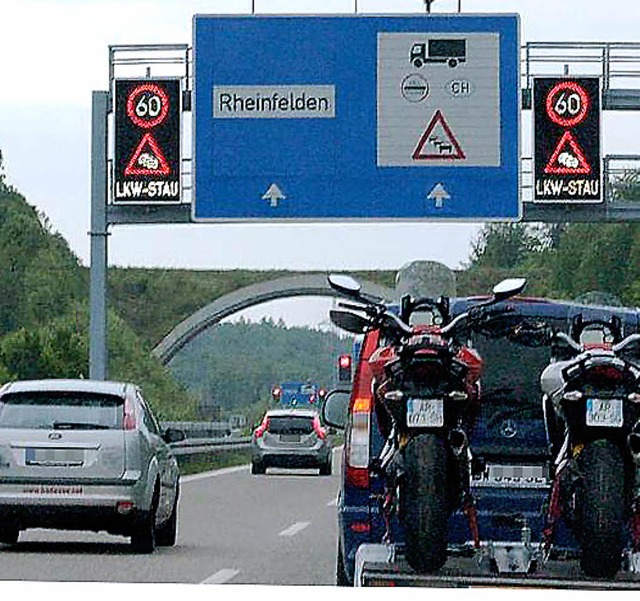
{"x": 458, "y": 442}
{"x": 633, "y": 442}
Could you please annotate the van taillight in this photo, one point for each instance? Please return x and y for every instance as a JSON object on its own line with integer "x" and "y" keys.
{"x": 357, "y": 468}
{"x": 262, "y": 428}
{"x": 129, "y": 420}
{"x": 358, "y": 435}
{"x": 318, "y": 429}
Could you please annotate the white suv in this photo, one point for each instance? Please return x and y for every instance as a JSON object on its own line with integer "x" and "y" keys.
{"x": 86, "y": 455}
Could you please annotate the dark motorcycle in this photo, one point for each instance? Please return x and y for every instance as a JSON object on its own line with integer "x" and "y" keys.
{"x": 591, "y": 401}
{"x": 426, "y": 392}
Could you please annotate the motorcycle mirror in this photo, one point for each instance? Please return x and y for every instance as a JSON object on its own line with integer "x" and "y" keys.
{"x": 508, "y": 288}
{"x": 350, "y": 322}
{"x": 345, "y": 284}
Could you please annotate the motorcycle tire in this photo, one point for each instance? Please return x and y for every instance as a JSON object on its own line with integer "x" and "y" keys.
{"x": 600, "y": 506}
{"x": 424, "y": 503}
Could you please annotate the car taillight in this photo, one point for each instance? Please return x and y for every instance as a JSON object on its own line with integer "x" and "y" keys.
{"x": 262, "y": 428}
{"x": 129, "y": 420}
{"x": 318, "y": 429}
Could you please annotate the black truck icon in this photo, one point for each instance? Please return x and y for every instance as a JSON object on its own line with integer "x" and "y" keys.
{"x": 446, "y": 51}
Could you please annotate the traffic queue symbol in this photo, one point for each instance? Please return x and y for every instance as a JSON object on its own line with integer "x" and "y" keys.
{"x": 438, "y": 142}
{"x": 147, "y": 159}
{"x": 568, "y": 158}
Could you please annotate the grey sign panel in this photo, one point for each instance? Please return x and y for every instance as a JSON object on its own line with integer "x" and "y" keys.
{"x": 274, "y": 102}
{"x": 438, "y": 99}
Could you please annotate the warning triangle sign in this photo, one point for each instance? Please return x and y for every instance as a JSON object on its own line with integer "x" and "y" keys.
{"x": 438, "y": 142}
{"x": 568, "y": 158}
{"x": 147, "y": 159}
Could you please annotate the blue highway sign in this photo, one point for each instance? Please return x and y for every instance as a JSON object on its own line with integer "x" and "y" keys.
{"x": 356, "y": 117}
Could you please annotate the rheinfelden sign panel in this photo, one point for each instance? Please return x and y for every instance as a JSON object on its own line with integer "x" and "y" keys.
{"x": 354, "y": 117}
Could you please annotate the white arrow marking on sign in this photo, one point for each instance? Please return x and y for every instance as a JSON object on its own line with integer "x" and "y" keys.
{"x": 439, "y": 194}
{"x": 273, "y": 194}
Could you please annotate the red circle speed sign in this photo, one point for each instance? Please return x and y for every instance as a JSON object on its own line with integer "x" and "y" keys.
{"x": 567, "y": 103}
{"x": 147, "y": 105}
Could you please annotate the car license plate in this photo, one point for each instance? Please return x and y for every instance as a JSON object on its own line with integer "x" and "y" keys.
{"x": 54, "y": 457}
{"x": 512, "y": 476}
{"x": 605, "y": 413}
{"x": 425, "y": 413}
{"x": 290, "y": 438}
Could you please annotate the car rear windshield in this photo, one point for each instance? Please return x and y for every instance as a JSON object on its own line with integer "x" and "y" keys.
{"x": 290, "y": 424}
{"x": 55, "y": 410}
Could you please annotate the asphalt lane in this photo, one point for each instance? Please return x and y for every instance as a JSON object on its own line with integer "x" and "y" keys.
{"x": 234, "y": 527}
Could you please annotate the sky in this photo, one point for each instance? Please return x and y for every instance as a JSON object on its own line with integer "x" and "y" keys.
{"x": 55, "y": 52}
{"x": 48, "y": 73}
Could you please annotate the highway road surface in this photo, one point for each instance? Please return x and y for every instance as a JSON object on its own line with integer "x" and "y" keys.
{"x": 234, "y": 528}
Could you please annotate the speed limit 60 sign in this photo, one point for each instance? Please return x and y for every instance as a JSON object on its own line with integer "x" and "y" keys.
{"x": 567, "y": 139}
{"x": 147, "y": 141}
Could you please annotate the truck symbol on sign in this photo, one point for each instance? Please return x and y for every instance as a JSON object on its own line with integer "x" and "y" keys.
{"x": 450, "y": 52}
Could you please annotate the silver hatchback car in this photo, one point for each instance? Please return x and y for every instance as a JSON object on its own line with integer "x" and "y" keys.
{"x": 86, "y": 455}
{"x": 290, "y": 438}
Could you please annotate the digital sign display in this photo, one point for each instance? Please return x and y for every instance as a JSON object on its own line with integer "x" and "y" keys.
{"x": 567, "y": 150}
{"x": 147, "y": 156}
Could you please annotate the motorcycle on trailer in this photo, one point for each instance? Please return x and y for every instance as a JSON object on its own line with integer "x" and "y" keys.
{"x": 591, "y": 402}
{"x": 426, "y": 390}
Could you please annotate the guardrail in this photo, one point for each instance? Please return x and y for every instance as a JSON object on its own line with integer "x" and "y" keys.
{"x": 197, "y": 446}
{"x": 201, "y": 429}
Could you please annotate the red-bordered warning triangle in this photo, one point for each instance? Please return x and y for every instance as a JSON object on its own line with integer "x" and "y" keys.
{"x": 568, "y": 158}
{"x": 438, "y": 142}
{"x": 147, "y": 159}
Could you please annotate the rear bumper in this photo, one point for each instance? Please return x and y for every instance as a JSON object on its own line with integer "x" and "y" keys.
{"x": 75, "y": 506}
{"x": 95, "y": 519}
{"x": 291, "y": 457}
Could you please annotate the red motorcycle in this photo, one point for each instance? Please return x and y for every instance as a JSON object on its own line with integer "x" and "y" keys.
{"x": 426, "y": 391}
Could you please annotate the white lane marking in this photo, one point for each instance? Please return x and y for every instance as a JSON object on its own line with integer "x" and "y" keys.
{"x": 221, "y": 576}
{"x": 293, "y": 530}
{"x": 212, "y": 474}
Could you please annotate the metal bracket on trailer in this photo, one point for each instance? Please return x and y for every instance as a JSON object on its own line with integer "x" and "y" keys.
{"x": 384, "y": 565}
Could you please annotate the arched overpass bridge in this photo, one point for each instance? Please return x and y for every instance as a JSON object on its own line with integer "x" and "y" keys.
{"x": 224, "y": 306}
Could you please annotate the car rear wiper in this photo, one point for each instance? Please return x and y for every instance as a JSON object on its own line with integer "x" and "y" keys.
{"x": 78, "y": 426}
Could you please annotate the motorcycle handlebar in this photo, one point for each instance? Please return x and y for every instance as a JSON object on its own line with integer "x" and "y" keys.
{"x": 479, "y": 317}
{"x": 570, "y": 341}
{"x": 626, "y": 342}
{"x": 355, "y": 307}
{"x": 385, "y": 318}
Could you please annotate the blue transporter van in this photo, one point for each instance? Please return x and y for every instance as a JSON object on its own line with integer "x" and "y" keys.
{"x": 298, "y": 394}
{"x": 511, "y": 457}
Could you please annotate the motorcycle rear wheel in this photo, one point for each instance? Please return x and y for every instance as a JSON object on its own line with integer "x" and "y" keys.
{"x": 423, "y": 503}
{"x": 601, "y": 508}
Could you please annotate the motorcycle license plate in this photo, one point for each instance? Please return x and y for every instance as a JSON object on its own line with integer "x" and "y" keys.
{"x": 425, "y": 413}
{"x": 604, "y": 412}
